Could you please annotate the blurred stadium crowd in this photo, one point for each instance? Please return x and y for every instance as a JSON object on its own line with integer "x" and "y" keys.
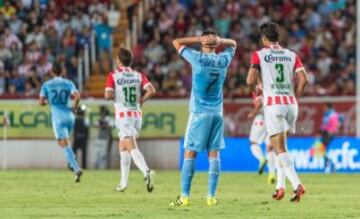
{"x": 34, "y": 33}
{"x": 321, "y": 31}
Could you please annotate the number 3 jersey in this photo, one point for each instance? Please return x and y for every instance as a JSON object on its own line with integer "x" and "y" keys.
{"x": 127, "y": 85}
{"x": 277, "y": 66}
{"x": 208, "y": 76}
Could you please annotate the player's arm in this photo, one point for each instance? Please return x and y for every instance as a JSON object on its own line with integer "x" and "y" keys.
{"x": 150, "y": 91}
{"x": 109, "y": 94}
{"x": 227, "y": 42}
{"x": 254, "y": 71}
{"x": 303, "y": 79}
{"x": 42, "y": 101}
{"x": 252, "y": 77}
{"x": 187, "y": 41}
{"x": 76, "y": 99}
{"x": 43, "y": 96}
{"x": 302, "y": 76}
{"x": 257, "y": 105}
{"x": 109, "y": 87}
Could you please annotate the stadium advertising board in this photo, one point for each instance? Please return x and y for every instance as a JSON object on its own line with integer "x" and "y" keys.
{"x": 28, "y": 120}
{"x": 167, "y": 118}
{"x": 343, "y": 151}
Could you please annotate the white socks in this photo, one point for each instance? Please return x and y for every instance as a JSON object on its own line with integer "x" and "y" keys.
{"x": 271, "y": 161}
{"x": 139, "y": 160}
{"x": 257, "y": 152}
{"x": 289, "y": 169}
{"x": 280, "y": 174}
{"x": 125, "y": 163}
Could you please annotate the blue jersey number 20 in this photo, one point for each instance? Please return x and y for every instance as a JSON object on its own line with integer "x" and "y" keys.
{"x": 59, "y": 97}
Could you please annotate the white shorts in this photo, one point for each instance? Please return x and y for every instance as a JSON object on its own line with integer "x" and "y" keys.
{"x": 258, "y": 133}
{"x": 128, "y": 127}
{"x": 280, "y": 118}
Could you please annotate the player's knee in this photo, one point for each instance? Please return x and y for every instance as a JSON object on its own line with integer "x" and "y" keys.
{"x": 213, "y": 154}
{"x": 190, "y": 154}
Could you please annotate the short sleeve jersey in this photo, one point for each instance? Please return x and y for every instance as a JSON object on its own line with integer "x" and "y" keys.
{"x": 58, "y": 92}
{"x": 277, "y": 66}
{"x": 208, "y": 75}
{"x": 127, "y": 85}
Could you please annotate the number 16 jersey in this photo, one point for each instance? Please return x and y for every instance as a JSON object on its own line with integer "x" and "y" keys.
{"x": 127, "y": 85}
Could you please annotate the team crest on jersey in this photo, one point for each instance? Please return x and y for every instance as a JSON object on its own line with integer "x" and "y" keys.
{"x": 270, "y": 58}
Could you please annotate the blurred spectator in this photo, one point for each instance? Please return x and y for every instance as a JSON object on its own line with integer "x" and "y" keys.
{"x": 81, "y": 134}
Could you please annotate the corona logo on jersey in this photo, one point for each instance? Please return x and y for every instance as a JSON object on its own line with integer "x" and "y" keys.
{"x": 270, "y": 58}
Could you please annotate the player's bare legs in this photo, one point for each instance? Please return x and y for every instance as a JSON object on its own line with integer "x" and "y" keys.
{"x": 70, "y": 156}
{"x": 128, "y": 148}
{"x": 286, "y": 168}
{"x": 214, "y": 172}
{"x": 259, "y": 155}
{"x": 271, "y": 156}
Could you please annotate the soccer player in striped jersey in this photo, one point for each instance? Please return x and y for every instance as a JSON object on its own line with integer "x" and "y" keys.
{"x": 258, "y": 136}
{"x": 124, "y": 86}
{"x": 278, "y": 67}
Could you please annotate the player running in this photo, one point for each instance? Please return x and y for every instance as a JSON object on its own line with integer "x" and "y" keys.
{"x": 57, "y": 92}
{"x": 125, "y": 85}
{"x": 205, "y": 129}
{"x": 277, "y": 67}
{"x": 258, "y": 136}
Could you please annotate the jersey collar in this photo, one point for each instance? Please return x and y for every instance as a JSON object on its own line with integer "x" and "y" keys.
{"x": 274, "y": 46}
{"x": 123, "y": 69}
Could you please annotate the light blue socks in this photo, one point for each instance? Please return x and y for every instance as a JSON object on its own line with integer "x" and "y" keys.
{"x": 70, "y": 156}
{"x": 187, "y": 173}
{"x": 214, "y": 172}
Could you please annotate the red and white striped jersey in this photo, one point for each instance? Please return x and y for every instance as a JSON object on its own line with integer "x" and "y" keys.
{"x": 127, "y": 85}
{"x": 278, "y": 67}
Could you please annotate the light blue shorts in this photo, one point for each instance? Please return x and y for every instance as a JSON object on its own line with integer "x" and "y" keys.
{"x": 204, "y": 132}
{"x": 62, "y": 127}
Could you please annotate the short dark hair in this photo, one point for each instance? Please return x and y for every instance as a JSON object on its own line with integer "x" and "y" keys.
{"x": 271, "y": 31}
{"x": 209, "y": 32}
{"x": 125, "y": 56}
{"x": 57, "y": 68}
{"x": 329, "y": 105}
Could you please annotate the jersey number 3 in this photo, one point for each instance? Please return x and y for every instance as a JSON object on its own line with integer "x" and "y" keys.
{"x": 280, "y": 73}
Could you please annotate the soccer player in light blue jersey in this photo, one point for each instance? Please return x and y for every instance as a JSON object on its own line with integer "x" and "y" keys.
{"x": 58, "y": 92}
{"x": 205, "y": 129}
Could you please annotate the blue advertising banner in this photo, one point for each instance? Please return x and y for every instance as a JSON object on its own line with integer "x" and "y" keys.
{"x": 343, "y": 151}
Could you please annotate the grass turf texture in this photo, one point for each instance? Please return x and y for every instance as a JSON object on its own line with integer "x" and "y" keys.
{"x": 52, "y": 194}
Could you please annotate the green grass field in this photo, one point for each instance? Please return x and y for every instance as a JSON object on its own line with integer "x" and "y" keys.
{"x": 52, "y": 194}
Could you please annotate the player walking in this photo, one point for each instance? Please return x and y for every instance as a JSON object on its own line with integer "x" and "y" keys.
{"x": 258, "y": 136}
{"x": 125, "y": 85}
{"x": 205, "y": 129}
{"x": 57, "y": 92}
{"x": 277, "y": 67}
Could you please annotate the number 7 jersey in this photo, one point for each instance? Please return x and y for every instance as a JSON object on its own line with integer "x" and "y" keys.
{"x": 277, "y": 66}
{"x": 127, "y": 85}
